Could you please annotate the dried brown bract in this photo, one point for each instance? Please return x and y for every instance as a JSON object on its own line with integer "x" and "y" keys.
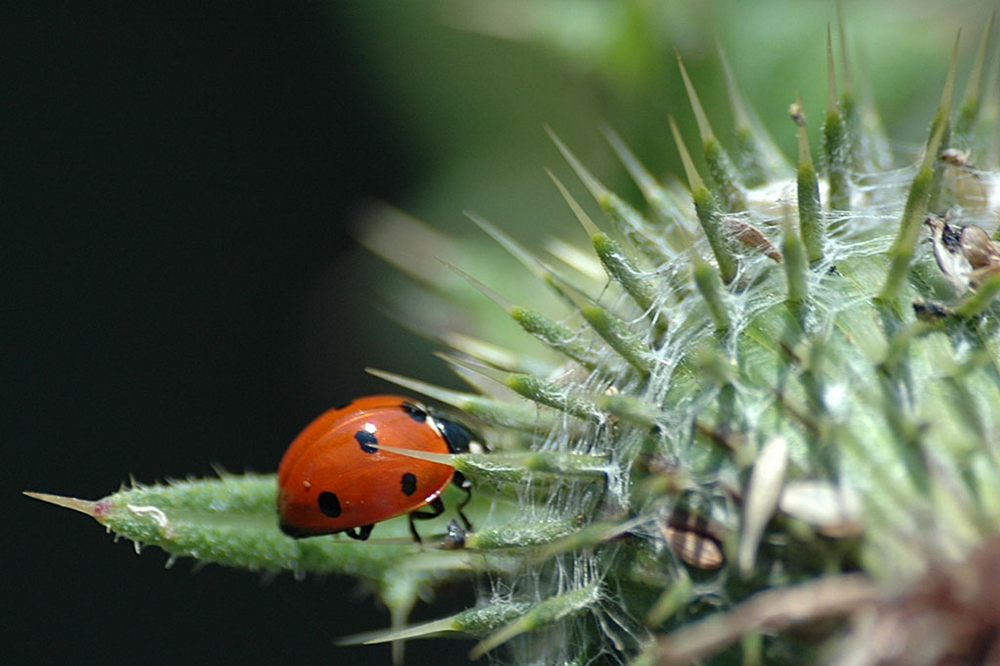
{"x": 754, "y": 238}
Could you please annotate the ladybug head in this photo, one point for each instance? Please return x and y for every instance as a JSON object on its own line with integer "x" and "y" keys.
{"x": 459, "y": 438}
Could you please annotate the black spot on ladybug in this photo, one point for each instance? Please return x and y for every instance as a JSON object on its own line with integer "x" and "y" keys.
{"x": 414, "y": 412}
{"x": 409, "y": 484}
{"x": 368, "y": 442}
{"x": 329, "y": 504}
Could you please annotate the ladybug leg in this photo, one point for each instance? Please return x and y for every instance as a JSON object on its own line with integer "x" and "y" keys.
{"x": 466, "y": 486}
{"x": 437, "y": 508}
{"x": 361, "y": 534}
{"x": 413, "y": 531}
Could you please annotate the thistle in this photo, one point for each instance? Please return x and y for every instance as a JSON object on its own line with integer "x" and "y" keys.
{"x": 766, "y": 399}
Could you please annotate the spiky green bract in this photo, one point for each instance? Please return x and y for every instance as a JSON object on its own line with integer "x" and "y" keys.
{"x": 971, "y": 100}
{"x": 811, "y": 222}
{"x": 500, "y": 468}
{"x": 796, "y": 269}
{"x": 552, "y": 394}
{"x": 495, "y": 412}
{"x": 543, "y": 614}
{"x": 848, "y": 105}
{"x": 618, "y": 336}
{"x": 757, "y": 158}
{"x": 710, "y": 287}
{"x": 477, "y": 621}
{"x": 709, "y": 214}
{"x": 621, "y": 268}
{"x": 836, "y": 141}
{"x": 720, "y": 167}
{"x": 554, "y": 334}
{"x": 627, "y": 220}
{"x": 977, "y": 302}
{"x": 671, "y": 601}
{"x": 917, "y": 203}
{"x": 941, "y": 128}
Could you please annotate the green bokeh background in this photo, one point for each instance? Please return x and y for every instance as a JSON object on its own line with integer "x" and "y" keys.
{"x": 472, "y": 85}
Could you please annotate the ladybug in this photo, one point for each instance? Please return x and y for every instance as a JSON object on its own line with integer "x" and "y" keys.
{"x": 335, "y": 478}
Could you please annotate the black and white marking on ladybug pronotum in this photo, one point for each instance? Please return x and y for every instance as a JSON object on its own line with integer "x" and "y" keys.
{"x": 414, "y": 412}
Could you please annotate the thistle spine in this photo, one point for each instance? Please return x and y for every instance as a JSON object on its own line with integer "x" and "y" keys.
{"x": 835, "y": 139}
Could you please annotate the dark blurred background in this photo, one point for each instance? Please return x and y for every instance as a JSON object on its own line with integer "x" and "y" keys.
{"x": 181, "y": 287}
{"x": 184, "y": 184}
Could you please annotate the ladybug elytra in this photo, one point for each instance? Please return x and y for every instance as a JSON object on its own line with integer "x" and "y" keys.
{"x": 335, "y": 478}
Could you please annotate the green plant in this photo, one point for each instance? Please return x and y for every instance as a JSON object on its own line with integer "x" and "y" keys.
{"x": 762, "y": 402}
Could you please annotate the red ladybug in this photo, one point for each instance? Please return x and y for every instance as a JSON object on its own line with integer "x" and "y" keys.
{"x": 334, "y": 478}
